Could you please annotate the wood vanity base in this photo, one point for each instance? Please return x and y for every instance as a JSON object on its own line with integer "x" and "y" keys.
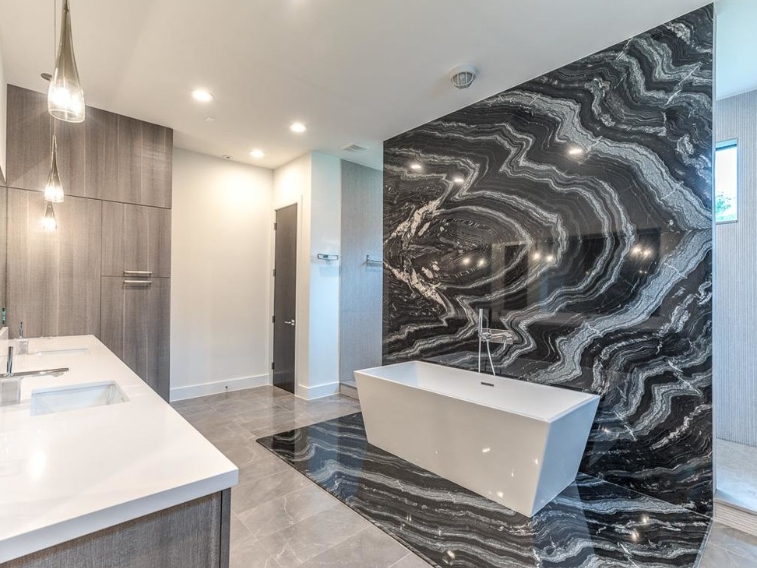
{"x": 190, "y": 535}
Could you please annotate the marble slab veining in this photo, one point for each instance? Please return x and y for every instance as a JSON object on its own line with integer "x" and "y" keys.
{"x": 575, "y": 209}
{"x": 592, "y": 523}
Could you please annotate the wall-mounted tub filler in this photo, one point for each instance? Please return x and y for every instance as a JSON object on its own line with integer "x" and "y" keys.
{"x": 487, "y": 335}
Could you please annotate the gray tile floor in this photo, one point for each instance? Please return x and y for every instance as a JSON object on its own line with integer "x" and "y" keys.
{"x": 736, "y": 468}
{"x": 282, "y": 520}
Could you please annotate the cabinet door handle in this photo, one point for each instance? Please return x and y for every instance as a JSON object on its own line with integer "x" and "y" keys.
{"x": 138, "y": 282}
{"x": 291, "y": 322}
{"x": 137, "y": 272}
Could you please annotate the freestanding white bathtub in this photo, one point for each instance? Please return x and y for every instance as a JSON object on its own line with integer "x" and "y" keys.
{"x": 517, "y": 443}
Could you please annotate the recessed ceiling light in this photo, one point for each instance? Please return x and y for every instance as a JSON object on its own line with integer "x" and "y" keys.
{"x": 202, "y": 96}
{"x": 298, "y": 127}
{"x": 257, "y": 153}
{"x": 227, "y": 157}
{"x": 416, "y": 167}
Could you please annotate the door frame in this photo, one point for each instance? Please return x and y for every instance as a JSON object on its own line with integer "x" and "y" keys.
{"x": 272, "y": 287}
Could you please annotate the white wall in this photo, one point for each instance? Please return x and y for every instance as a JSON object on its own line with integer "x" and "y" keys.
{"x": 325, "y": 237}
{"x": 3, "y": 116}
{"x": 222, "y": 223}
{"x": 313, "y": 182}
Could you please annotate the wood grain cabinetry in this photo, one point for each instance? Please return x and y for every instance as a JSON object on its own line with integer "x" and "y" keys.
{"x": 101, "y": 153}
{"x": 135, "y": 325}
{"x": 28, "y": 139}
{"x": 108, "y": 156}
{"x": 136, "y": 239}
{"x": 157, "y": 161}
{"x": 53, "y": 279}
{"x": 191, "y": 535}
{"x": 114, "y": 226}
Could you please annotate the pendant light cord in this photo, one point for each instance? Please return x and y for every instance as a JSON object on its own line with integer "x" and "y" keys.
{"x": 55, "y": 30}
{"x": 55, "y": 57}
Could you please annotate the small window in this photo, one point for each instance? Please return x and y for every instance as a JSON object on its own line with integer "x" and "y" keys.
{"x": 726, "y": 182}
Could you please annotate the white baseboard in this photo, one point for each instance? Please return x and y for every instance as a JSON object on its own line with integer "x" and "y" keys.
{"x": 319, "y": 391}
{"x": 217, "y": 387}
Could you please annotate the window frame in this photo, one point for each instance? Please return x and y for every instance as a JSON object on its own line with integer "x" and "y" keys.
{"x": 725, "y": 145}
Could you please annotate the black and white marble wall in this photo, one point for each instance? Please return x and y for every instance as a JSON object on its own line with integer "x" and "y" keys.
{"x": 575, "y": 210}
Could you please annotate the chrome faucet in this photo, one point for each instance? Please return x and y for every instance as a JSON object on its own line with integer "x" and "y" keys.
{"x": 9, "y": 364}
{"x": 488, "y": 335}
{"x": 10, "y": 382}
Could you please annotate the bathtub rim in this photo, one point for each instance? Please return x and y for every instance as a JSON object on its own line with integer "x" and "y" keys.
{"x": 591, "y": 397}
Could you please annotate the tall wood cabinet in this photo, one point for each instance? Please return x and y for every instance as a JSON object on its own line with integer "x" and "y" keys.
{"x": 134, "y": 325}
{"x": 136, "y": 240}
{"x": 106, "y": 270}
{"x": 53, "y": 279}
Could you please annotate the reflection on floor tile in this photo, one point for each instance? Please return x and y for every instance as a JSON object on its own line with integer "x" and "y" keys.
{"x": 324, "y": 534}
{"x": 717, "y": 557}
{"x": 741, "y": 544}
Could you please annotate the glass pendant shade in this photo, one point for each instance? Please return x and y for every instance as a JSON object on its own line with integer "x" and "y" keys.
{"x": 54, "y": 188}
{"x": 49, "y": 223}
{"x": 65, "y": 97}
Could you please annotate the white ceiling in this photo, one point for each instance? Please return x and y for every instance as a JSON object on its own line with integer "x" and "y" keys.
{"x": 353, "y": 70}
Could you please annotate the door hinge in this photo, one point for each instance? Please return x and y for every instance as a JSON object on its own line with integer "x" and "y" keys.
{"x": 275, "y": 226}
{"x": 273, "y": 319}
{"x": 274, "y": 273}
{"x": 273, "y": 365}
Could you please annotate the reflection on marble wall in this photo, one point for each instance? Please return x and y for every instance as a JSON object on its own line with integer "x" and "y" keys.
{"x": 575, "y": 210}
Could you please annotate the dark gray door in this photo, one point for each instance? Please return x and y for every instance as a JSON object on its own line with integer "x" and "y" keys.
{"x": 285, "y": 284}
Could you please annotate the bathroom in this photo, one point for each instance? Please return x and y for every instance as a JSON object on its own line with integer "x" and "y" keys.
{"x": 282, "y": 286}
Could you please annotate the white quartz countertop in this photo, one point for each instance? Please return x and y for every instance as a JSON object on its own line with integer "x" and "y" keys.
{"x": 68, "y": 474}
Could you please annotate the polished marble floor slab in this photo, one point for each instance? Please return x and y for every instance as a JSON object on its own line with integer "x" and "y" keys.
{"x": 592, "y": 523}
{"x": 278, "y": 518}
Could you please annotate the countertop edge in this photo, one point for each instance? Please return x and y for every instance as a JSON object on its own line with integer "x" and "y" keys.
{"x": 28, "y": 543}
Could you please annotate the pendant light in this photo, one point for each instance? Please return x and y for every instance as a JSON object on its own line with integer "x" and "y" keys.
{"x": 65, "y": 97}
{"x": 54, "y": 188}
{"x": 49, "y": 223}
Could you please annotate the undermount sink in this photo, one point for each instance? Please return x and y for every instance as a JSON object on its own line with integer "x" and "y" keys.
{"x": 75, "y": 397}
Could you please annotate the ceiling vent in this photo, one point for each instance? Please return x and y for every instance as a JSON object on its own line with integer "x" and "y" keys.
{"x": 463, "y": 76}
{"x": 354, "y": 148}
